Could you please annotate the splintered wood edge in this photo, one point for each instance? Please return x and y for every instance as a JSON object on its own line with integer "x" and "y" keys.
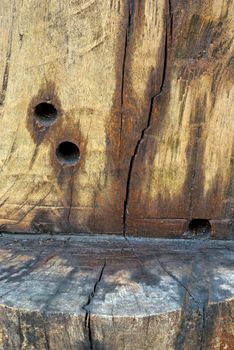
{"x": 113, "y": 292}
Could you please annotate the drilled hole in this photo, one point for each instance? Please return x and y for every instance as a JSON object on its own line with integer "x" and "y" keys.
{"x": 68, "y": 153}
{"x": 200, "y": 227}
{"x": 46, "y": 113}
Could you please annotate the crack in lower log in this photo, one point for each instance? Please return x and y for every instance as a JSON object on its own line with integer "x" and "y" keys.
{"x": 203, "y": 326}
{"x": 196, "y": 335}
{"x": 20, "y": 332}
{"x": 178, "y": 281}
{"x": 47, "y": 342}
{"x": 134, "y": 252}
{"x": 201, "y": 311}
{"x": 87, "y": 311}
{"x": 169, "y": 273}
{"x": 168, "y": 35}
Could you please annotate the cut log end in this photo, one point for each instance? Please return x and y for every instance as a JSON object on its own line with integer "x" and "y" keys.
{"x": 100, "y": 292}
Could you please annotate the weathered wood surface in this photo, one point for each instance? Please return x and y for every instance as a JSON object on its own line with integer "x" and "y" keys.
{"x": 183, "y": 167}
{"x": 144, "y": 88}
{"x": 97, "y": 292}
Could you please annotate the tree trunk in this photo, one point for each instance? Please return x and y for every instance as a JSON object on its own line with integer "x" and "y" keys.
{"x": 104, "y": 292}
{"x": 116, "y": 116}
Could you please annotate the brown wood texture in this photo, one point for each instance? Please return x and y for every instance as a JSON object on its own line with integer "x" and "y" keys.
{"x": 107, "y": 292}
{"x": 183, "y": 166}
{"x": 144, "y": 88}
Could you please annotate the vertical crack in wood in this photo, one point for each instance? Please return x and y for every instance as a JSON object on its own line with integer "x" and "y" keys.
{"x": 134, "y": 252}
{"x": 171, "y": 17}
{"x": 124, "y": 68}
{"x": 20, "y": 332}
{"x": 85, "y": 307}
{"x": 178, "y": 281}
{"x": 47, "y": 342}
{"x": 168, "y": 35}
{"x": 169, "y": 273}
{"x": 203, "y": 325}
{"x": 195, "y": 336}
{"x": 205, "y": 302}
{"x": 8, "y": 58}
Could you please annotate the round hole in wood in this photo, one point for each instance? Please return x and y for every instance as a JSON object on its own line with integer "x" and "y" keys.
{"x": 46, "y": 113}
{"x": 200, "y": 227}
{"x": 68, "y": 153}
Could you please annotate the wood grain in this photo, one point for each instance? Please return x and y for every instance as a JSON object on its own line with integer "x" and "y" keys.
{"x": 103, "y": 292}
{"x": 145, "y": 89}
{"x": 183, "y": 167}
{"x": 66, "y": 53}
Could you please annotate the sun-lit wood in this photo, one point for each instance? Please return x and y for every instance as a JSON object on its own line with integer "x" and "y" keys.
{"x": 144, "y": 89}
{"x": 106, "y": 292}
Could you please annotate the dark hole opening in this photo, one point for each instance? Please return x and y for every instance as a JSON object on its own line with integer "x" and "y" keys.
{"x": 46, "y": 112}
{"x": 200, "y": 227}
{"x": 68, "y": 153}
